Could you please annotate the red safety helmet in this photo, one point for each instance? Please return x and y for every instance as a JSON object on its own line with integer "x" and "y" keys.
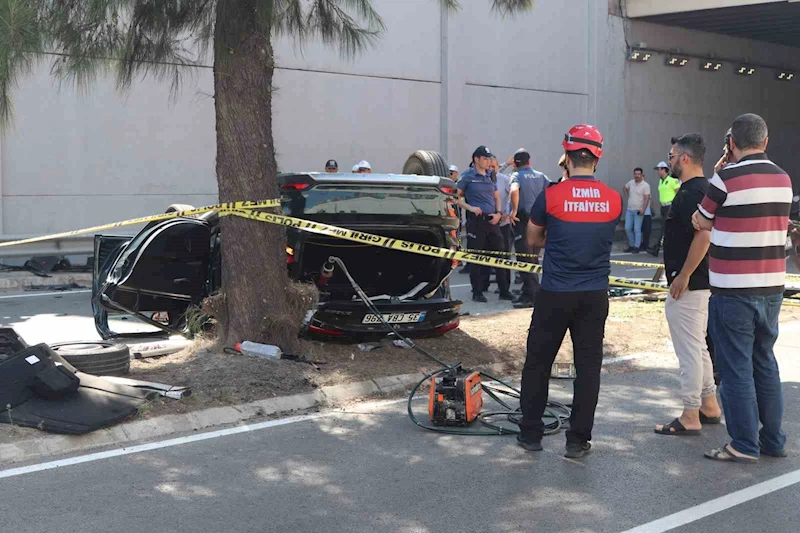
{"x": 586, "y": 137}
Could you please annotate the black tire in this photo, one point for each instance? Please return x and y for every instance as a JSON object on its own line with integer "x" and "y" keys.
{"x": 426, "y": 163}
{"x": 175, "y": 208}
{"x": 99, "y": 358}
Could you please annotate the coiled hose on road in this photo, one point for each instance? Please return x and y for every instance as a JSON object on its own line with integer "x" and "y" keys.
{"x": 555, "y": 413}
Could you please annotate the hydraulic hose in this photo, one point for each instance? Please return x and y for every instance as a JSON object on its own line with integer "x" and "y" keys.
{"x": 555, "y": 413}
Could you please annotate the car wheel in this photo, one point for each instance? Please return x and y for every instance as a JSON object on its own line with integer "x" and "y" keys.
{"x": 426, "y": 163}
{"x": 96, "y": 357}
{"x": 176, "y": 208}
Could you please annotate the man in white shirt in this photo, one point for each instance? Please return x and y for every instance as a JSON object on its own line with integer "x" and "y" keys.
{"x": 637, "y": 192}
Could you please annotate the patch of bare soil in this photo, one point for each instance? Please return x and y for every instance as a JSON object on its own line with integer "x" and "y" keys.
{"x": 219, "y": 379}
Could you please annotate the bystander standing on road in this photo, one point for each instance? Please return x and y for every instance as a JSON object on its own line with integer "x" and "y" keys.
{"x": 477, "y": 194}
{"x": 503, "y": 184}
{"x": 562, "y": 166}
{"x": 526, "y": 186}
{"x": 747, "y": 210}
{"x": 686, "y": 262}
{"x": 637, "y": 192}
{"x": 647, "y": 226}
{"x": 331, "y": 166}
{"x": 668, "y": 186}
{"x": 453, "y": 172}
{"x": 795, "y": 234}
{"x": 575, "y": 222}
{"x": 363, "y": 167}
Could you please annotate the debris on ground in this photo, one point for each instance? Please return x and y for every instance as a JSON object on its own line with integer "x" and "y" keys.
{"x": 220, "y": 379}
{"x": 401, "y": 344}
{"x": 159, "y": 348}
{"x": 369, "y": 346}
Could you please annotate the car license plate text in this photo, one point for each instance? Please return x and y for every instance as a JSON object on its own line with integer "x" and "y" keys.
{"x": 395, "y": 318}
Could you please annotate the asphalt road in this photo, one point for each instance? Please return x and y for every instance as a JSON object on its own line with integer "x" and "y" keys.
{"x": 369, "y": 469}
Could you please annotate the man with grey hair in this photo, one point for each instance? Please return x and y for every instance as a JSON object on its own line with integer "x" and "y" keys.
{"x": 686, "y": 262}
{"x": 747, "y": 209}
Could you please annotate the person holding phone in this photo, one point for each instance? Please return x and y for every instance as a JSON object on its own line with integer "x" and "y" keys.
{"x": 747, "y": 208}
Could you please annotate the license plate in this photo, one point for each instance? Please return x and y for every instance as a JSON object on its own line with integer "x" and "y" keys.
{"x": 395, "y": 318}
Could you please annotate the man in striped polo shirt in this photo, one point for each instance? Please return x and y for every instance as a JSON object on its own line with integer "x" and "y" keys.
{"x": 747, "y": 210}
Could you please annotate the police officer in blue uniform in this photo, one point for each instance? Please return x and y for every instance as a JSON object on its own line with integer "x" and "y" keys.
{"x": 526, "y": 185}
{"x": 478, "y": 196}
{"x": 575, "y": 221}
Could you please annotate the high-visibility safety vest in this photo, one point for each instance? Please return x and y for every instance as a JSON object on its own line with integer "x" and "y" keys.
{"x": 667, "y": 189}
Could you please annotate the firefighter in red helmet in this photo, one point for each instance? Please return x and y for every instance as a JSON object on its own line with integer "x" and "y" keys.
{"x": 574, "y": 221}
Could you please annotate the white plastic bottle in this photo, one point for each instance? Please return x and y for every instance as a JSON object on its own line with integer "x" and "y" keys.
{"x": 263, "y": 351}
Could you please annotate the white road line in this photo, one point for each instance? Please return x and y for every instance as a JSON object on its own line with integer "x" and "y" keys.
{"x": 13, "y": 472}
{"x": 460, "y": 286}
{"x": 698, "y": 512}
{"x": 640, "y": 269}
{"x": 59, "y": 293}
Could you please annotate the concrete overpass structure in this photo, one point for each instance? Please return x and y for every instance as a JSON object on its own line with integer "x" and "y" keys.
{"x": 774, "y": 21}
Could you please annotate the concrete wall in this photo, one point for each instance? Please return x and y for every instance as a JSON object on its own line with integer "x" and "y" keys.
{"x": 445, "y": 83}
{"x": 660, "y": 101}
{"x": 73, "y": 160}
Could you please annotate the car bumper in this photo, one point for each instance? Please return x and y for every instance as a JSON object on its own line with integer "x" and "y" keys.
{"x": 345, "y": 320}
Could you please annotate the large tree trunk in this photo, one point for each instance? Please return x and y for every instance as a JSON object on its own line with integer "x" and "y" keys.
{"x": 258, "y": 302}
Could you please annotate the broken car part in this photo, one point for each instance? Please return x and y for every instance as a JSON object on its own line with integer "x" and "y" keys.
{"x": 37, "y": 389}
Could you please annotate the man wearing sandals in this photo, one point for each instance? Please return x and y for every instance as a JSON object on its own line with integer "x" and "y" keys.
{"x": 747, "y": 208}
{"x": 686, "y": 262}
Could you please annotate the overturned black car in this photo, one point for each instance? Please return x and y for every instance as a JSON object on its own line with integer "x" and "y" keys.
{"x": 171, "y": 265}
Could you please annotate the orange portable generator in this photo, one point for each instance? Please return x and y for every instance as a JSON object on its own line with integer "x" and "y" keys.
{"x": 455, "y": 398}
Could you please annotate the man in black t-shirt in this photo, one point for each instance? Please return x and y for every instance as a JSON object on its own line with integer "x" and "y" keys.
{"x": 686, "y": 264}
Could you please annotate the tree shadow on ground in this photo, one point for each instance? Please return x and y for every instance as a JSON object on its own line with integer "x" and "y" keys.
{"x": 369, "y": 469}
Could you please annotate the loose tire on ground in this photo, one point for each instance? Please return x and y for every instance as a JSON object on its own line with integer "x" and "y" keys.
{"x": 426, "y": 163}
{"x": 96, "y": 357}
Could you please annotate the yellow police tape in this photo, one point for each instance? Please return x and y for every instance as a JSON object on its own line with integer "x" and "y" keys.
{"x": 619, "y": 263}
{"x": 516, "y": 254}
{"x": 413, "y": 247}
{"x": 245, "y": 210}
{"x": 143, "y": 220}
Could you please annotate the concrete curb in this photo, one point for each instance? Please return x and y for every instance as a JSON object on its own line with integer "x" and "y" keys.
{"x": 24, "y": 280}
{"x": 49, "y": 444}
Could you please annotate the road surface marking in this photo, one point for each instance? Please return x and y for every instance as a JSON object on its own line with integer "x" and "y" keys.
{"x": 59, "y": 293}
{"x": 698, "y": 512}
{"x": 13, "y": 472}
{"x": 460, "y": 286}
